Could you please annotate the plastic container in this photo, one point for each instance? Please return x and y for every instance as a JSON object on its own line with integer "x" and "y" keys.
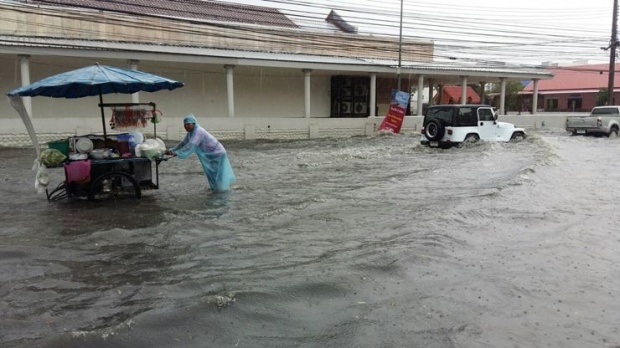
{"x": 83, "y": 145}
{"x": 60, "y": 145}
{"x": 100, "y": 153}
{"x": 125, "y": 144}
{"x": 138, "y": 137}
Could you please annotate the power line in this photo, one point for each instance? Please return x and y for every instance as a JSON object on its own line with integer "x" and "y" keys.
{"x": 466, "y": 35}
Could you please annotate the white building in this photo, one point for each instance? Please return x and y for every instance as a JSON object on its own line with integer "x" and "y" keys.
{"x": 249, "y": 71}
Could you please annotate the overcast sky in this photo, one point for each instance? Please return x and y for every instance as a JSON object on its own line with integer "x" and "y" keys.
{"x": 527, "y": 32}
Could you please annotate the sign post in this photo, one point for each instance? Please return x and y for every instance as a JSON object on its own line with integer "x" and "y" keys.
{"x": 393, "y": 121}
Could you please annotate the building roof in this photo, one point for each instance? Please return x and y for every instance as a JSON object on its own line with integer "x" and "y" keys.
{"x": 591, "y": 77}
{"x": 159, "y": 49}
{"x": 105, "y": 49}
{"x": 454, "y": 93}
{"x": 188, "y": 9}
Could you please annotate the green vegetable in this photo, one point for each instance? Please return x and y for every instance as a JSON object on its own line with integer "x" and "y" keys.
{"x": 52, "y": 157}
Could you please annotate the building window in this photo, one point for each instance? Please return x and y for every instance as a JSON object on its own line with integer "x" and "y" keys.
{"x": 551, "y": 105}
{"x": 350, "y": 96}
{"x": 574, "y": 104}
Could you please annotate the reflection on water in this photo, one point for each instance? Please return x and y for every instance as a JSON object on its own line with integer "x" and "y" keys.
{"x": 360, "y": 242}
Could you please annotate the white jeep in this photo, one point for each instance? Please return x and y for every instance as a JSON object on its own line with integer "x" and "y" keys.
{"x": 452, "y": 125}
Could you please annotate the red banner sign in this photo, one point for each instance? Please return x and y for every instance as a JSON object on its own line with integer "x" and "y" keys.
{"x": 393, "y": 121}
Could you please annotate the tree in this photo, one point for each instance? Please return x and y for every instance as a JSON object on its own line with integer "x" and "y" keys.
{"x": 602, "y": 97}
{"x": 513, "y": 100}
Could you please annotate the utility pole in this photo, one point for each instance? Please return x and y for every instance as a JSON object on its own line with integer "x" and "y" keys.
{"x": 613, "y": 43}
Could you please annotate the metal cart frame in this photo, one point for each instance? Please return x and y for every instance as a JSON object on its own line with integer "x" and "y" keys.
{"x": 112, "y": 177}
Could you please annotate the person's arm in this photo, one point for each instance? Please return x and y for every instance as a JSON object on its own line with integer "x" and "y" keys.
{"x": 189, "y": 145}
{"x": 172, "y": 151}
{"x": 181, "y": 144}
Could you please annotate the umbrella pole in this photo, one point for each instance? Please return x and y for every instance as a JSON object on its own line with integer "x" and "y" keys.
{"x": 105, "y": 136}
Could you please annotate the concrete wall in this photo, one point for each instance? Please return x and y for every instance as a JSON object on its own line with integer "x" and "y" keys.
{"x": 540, "y": 120}
{"x": 256, "y": 128}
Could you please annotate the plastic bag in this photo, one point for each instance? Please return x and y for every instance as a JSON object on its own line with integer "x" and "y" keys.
{"x": 151, "y": 148}
{"x": 42, "y": 178}
{"x": 156, "y": 116}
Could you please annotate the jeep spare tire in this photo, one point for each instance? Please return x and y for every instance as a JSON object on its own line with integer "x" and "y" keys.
{"x": 434, "y": 130}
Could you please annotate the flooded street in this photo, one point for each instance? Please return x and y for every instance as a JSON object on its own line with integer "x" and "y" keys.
{"x": 360, "y": 242}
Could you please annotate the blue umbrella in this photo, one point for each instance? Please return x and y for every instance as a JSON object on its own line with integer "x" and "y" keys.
{"x": 95, "y": 80}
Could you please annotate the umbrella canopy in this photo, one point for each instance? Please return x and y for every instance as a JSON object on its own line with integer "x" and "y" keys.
{"x": 95, "y": 80}
{"x": 85, "y": 82}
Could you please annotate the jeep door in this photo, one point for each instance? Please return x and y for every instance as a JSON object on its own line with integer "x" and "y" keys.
{"x": 487, "y": 127}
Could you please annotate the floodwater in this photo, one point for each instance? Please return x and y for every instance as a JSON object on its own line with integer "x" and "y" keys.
{"x": 360, "y": 242}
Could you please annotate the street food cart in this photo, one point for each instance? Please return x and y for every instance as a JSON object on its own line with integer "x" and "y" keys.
{"x": 103, "y": 165}
{"x": 100, "y": 167}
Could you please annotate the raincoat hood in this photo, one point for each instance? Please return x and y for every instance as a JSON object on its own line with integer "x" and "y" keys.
{"x": 190, "y": 118}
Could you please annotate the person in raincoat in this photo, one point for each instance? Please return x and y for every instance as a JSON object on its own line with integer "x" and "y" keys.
{"x": 210, "y": 152}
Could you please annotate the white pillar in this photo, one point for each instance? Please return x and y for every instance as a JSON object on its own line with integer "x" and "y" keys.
{"x": 24, "y": 62}
{"x": 373, "y": 94}
{"x": 431, "y": 83}
{"x": 463, "y": 90}
{"x": 502, "y": 96}
{"x": 420, "y": 95}
{"x": 307, "y": 73}
{"x": 133, "y": 65}
{"x": 230, "y": 91}
{"x": 535, "y": 97}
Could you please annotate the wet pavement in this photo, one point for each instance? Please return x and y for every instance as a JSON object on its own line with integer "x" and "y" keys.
{"x": 360, "y": 242}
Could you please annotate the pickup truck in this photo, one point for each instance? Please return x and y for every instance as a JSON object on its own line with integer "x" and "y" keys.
{"x": 603, "y": 120}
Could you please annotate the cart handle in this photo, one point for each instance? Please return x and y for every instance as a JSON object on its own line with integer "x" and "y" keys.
{"x": 158, "y": 160}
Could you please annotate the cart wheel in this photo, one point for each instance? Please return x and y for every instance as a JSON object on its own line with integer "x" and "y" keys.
{"x": 114, "y": 185}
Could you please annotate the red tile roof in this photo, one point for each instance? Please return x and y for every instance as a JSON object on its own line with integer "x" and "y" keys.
{"x": 454, "y": 93}
{"x": 188, "y": 9}
{"x": 582, "y": 77}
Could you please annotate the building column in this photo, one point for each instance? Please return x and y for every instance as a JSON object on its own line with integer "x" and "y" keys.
{"x": 482, "y": 92}
{"x": 535, "y": 97}
{"x": 307, "y": 87}
{"x": 502, "y": 96}
{"x": 373, "y": 94}
{"x": 431, "y": 83}
{"x": 133, "y": 65}
{"x": 24, "y": 63}
{"x": 463, "y": 90}
{"x": 230, "y": 91}
{"x": 420, "y": 100}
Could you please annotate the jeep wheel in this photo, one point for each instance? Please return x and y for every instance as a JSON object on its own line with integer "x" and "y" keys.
{"x": 434, "y": 130}
{"x": 613, "y": 133}
{"x": 517, "y": 136}
{"x": 469, "y": 139}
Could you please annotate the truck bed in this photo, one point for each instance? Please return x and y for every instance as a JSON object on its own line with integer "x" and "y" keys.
{"x": 583, "y": 124}
{"x": 603, "y": 120}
